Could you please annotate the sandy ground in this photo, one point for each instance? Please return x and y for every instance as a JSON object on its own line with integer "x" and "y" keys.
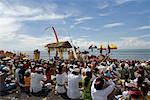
{"x": 23, "y": 96}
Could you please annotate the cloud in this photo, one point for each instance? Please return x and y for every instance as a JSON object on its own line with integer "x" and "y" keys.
{"x": 133, "y": 43}
{"x": 113, "y": 25}
{"x": 27, "y": 13}
{"x": 119, "y": 2}
{"x": 84, "y": 43}
{"x": 146, "y": 27}
{"x": 104, "y": 14}
{"x": 23, "y": 42}
{"x": 83, "y": 19}
{"x": 8, "y": 28}
{"x": 143, "y": 12}
{"x": 144, "y": 36}
{"x": 124, "y": 42}
{"x": 45, "y": 17}
{"x": 18, "y": 10}
{"x": 103, "y": 5}
{"x": 85, "y": 28}
{"x": 89, "y": 29}
{"x": 21, "y": 10}
{"x": 12, "y": 19}
{"x": 76, "y": 23}
{"x": 137, "y": 42}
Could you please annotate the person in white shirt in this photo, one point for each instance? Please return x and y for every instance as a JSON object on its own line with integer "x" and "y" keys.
{"x": 97, "y": 91}
{"x": 138, "y": 76}
{"x": 16, "y": 73}
{"x": 61, "y": 79}
{"x": 73, "y": 90}
{"x": 36, "y": 79}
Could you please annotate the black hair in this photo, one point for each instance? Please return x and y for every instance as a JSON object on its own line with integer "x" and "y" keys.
{"x": 99, "y": 83}
{"x": 145, "y": 88}
{"x": 89, "y": 74}
{"x": 75, "y": 73}
{"x": 5, "y": 71}
{"x": 122, "y": 65}
{"x": 71, "y": 67}
{"x": 140, "y": 80}
{"x": 88, "y": 78}
{"x": 47, "y": 69}
{"x": 59, "y": 70}
{"x": 27, "y": 74}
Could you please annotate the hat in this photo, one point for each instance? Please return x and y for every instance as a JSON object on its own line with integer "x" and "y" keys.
{"x": 143, "y": 64}
{"x": 75, "y": 66}
{"x": 76, "y": 70}
{"x": 87, "y": 69}
{"x": 5, "y": 69}
{"x": 40, "y": 69}
{"x": 62, "y": 64}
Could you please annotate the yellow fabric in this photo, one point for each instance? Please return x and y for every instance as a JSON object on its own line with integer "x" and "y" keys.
{"x": 112, "y": 46}
{"x": 102, "y": 46}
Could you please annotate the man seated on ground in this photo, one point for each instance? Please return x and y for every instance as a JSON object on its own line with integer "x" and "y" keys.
{"x": 61, "y": 79}
{"x": 97, "y": 91}
{"x": 36, "y": 80}
{"x": 5, "y": 87}
{"x": 74, "y": 78}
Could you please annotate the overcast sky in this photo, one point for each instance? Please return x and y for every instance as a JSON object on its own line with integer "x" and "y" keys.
{"x": 123, "y": 22}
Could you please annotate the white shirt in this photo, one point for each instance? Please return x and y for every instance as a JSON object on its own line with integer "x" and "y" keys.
{"x": 145, "y": 80}
{"x": 16, "y": 74}
{"x": 73, "y": 86}
{"x": 102, "y": 94}
{"x": 60, "y": 82}
{"x": 102, "y": 68}
{"x": 36, "y": 85}
{"x": 87, "y": 69}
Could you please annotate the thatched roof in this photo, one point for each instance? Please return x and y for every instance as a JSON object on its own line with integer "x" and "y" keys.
{"x": 64, "y": 44}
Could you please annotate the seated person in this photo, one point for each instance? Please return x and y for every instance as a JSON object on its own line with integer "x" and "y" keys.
{"x": 61, "y": 79}
{"x": 4, "y": 88}
{"x": 27, "y": 79}
{"x": 73, "y": 90}
{"x": 97, "y": 91}
{"x": 36, "y": 79}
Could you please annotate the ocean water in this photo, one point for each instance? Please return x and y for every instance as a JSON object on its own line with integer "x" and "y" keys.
{"x": 131, "y": 54}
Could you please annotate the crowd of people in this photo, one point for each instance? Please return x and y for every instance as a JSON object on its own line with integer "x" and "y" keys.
{"x": 89, "y": 79}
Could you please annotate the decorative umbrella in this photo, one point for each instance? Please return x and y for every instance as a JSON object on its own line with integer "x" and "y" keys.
{"x": 92, "y": 47}
{"x": 112, "y": 47}
{"x": 101, "y": 48}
